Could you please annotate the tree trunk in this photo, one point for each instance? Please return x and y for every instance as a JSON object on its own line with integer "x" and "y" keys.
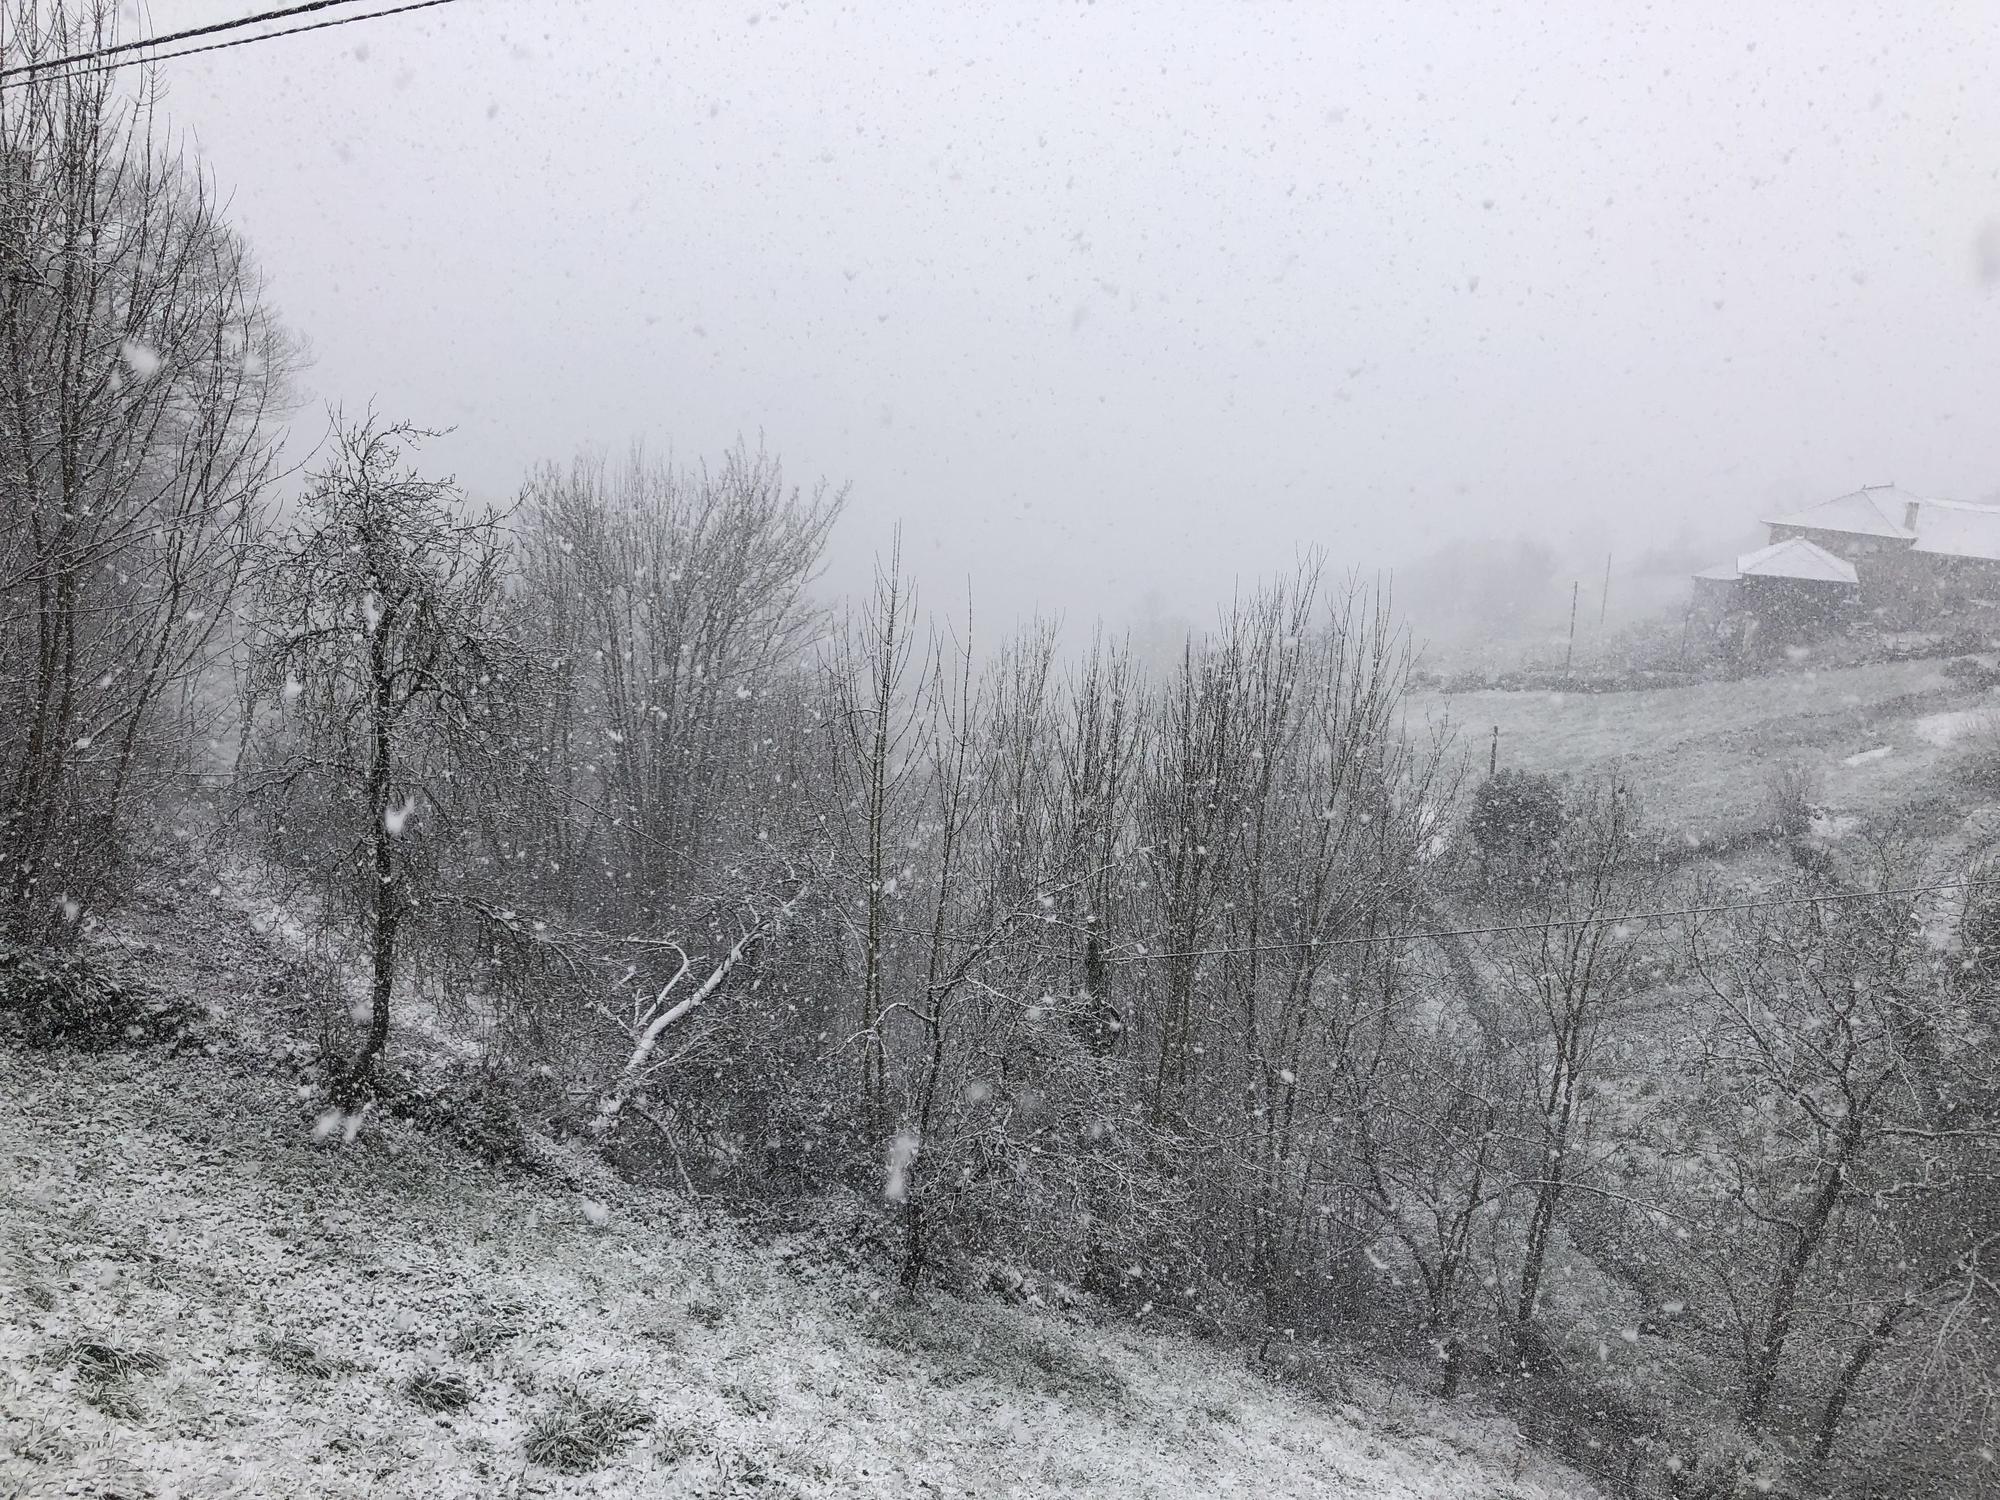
{"x": 384, "y": 899}
{"x": 1769, "y": 1351}
{"x": 916, "y": 1246}
{"x": 1542, "y": 1221}
{"x": 1828, "y": 1428}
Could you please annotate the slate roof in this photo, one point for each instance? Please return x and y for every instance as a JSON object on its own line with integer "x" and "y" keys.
{"x": 1797, "y": 559}
{"x": 1954, "y": 528}
{"x": 1873, "y": 510}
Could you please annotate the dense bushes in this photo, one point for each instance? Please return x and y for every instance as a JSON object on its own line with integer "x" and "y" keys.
{"x": 67, "y": 1000}
{"x": 1515, "y": 819}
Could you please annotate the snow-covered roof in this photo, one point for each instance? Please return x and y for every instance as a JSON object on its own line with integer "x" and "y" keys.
{"x": 1957, "y": 528}
{"x": 1873, "y": 510}
{"x": 1798, "y": 559}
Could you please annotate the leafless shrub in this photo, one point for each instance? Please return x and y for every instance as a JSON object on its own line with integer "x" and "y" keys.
{"x": 1792, "y": 795}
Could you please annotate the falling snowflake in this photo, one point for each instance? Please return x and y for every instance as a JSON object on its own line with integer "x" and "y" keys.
{"x": 141, "y": 359}
{"x": 902, "y": 1152}
{"x": 395, "y": 819}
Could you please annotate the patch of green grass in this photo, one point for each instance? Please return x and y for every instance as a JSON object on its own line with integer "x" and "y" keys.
{"x": 297, "y": 1357}
{"x": 662, "y": 1329}
{"x": 1067, "y": 1370}
{"x": 708, "y": 1314}
{"x": 42, "y": 1444}
{"x": 104, "y": 1373}
{"x": 580, "y": 1432}
{"x": 909, "y": 1329}
{"x": 94, "y": 1359}
{"x": 1319, "y": 1370}
{"x": 965, "y": 1344}
{"x": 440, "y": 1390}
{"x": 751, "y": 1472}
{"x": 677, "y": 1442}
{"x": 751, "y": 1397}
{"x": 484, "y": 1337}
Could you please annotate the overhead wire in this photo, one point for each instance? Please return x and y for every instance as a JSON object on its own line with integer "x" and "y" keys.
{"x": 211, "y": 29}
{"x": 17, "y": 77}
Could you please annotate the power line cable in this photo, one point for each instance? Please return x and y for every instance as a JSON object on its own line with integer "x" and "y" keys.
{"x": 241, "y": 41}
{"x": 174, "y": 36}
{"x": 1613, "y": 917}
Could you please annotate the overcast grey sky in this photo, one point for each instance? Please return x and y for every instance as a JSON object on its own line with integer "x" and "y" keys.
{"x": 1098, "y": 298}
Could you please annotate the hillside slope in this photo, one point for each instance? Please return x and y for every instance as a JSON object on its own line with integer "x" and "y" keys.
{"x": 197, "y": 1298}
{"x": 1701, "y": 755}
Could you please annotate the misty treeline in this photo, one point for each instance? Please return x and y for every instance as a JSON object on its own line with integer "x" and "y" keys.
{"x": 139, "y": 365}
{"x": 1002, "y": 957}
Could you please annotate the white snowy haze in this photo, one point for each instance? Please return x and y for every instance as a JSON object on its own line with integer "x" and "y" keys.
{"x": 1112, "y": 304}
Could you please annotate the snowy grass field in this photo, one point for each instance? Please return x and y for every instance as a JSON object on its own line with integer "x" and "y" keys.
{"x": 1700, "y": 755}
{"x": 200, "y": 1298}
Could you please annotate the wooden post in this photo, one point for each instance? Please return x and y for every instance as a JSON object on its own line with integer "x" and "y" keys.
{"x": 1493, "y": 758}
{"x": 1569, "y": 655}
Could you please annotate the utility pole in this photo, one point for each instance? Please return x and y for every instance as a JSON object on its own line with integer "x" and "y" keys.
{"x": 1493, "y": 758}
{"x": 1570, "y": 655}
{"x": 1604, "y": 599}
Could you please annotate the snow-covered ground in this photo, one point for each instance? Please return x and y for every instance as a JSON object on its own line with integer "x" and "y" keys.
{"x": 1947, "y": 729}
{"x": 199, "y": 1299}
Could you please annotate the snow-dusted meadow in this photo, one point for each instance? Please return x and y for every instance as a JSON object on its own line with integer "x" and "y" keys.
{"x": 198, "y": 1298}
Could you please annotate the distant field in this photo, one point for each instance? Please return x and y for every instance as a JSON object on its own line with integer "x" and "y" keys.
{"x": 1700, "y": 755}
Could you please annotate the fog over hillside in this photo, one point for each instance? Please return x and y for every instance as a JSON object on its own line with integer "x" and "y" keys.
{"x": 975, "y": 750}
{"x": 1098, "y": 300}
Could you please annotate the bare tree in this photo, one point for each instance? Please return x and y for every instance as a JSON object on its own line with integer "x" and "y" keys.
{"x": 379, "y": 646}
{"x": 1846, "y": 1110}
{"x": 670, "y": 603}
{"x": 877, "y": 722}
{"x": 1101, "y": 743}
{"x": 138, "y": 367}
{"x": 1563, "y": 978}
{"x": 1434, "y": 1161}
